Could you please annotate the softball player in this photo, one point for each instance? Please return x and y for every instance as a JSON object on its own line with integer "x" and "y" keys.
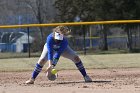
{"x": 57, "y": 45}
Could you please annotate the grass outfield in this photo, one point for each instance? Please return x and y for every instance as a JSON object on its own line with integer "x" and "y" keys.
{"x": 90, "y": 61}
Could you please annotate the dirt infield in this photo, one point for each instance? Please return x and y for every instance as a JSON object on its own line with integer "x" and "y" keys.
{"x": 70, "y": 81}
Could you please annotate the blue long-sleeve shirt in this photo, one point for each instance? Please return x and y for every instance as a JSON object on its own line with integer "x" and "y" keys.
{"x": 53, "y": 46}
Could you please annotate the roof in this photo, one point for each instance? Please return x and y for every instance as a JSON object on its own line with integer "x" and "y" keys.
{"x": 12, "y": 37}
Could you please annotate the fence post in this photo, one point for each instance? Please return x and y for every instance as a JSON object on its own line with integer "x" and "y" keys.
{"x": 83, "y": 27}
{"x": 28, "y": 30}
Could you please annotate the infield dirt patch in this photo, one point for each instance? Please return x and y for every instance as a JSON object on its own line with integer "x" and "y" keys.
{"x": 71, "y": 81}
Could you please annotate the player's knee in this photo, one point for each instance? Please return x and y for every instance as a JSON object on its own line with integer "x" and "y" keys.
{"x": 76, "y": 59}
{"x": 42, "y": 62}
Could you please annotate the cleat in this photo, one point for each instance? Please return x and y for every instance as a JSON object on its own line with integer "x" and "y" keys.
{"x": 87, "y": 79}
{"x": 30, "y": 81}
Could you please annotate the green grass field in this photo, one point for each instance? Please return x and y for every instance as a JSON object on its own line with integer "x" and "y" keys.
{"x": 90, "y": 62}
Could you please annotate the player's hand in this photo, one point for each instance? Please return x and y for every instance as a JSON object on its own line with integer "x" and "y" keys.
{"x": 50, "y": 66}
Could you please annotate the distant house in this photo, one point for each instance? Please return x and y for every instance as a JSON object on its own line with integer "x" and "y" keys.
{"x": 22, "y": 43}
{"x": 14, "y": 41}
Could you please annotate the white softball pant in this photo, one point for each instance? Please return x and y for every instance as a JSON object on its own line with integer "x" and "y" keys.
{"x": 68, "y": 53}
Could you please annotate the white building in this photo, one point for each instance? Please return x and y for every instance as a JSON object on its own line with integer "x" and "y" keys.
{"x": 15, "y": 41}
{"x": 22, "y": 43}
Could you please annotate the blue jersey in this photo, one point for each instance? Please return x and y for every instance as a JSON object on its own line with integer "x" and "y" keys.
{"x": 53, "y": 46}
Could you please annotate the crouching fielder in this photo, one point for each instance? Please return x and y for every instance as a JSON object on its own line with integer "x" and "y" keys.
{"x": 57, "y": 45}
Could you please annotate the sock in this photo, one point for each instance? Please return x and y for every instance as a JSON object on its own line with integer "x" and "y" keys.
{"x": 36, "y": 71}
{"x": 81, "y": 68}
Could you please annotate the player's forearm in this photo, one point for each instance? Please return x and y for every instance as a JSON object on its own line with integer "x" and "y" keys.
{"x": 50, "y": 49}
{"x": 50, "y": 62}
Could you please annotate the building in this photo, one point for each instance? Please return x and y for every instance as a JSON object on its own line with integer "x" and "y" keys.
{"x": 14, "y": 41}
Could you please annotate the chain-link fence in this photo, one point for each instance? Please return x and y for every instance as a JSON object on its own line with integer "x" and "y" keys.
{"x": 84, "y": 38}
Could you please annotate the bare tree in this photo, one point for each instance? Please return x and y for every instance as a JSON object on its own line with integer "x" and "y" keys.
{"x": 40, "y": 9}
